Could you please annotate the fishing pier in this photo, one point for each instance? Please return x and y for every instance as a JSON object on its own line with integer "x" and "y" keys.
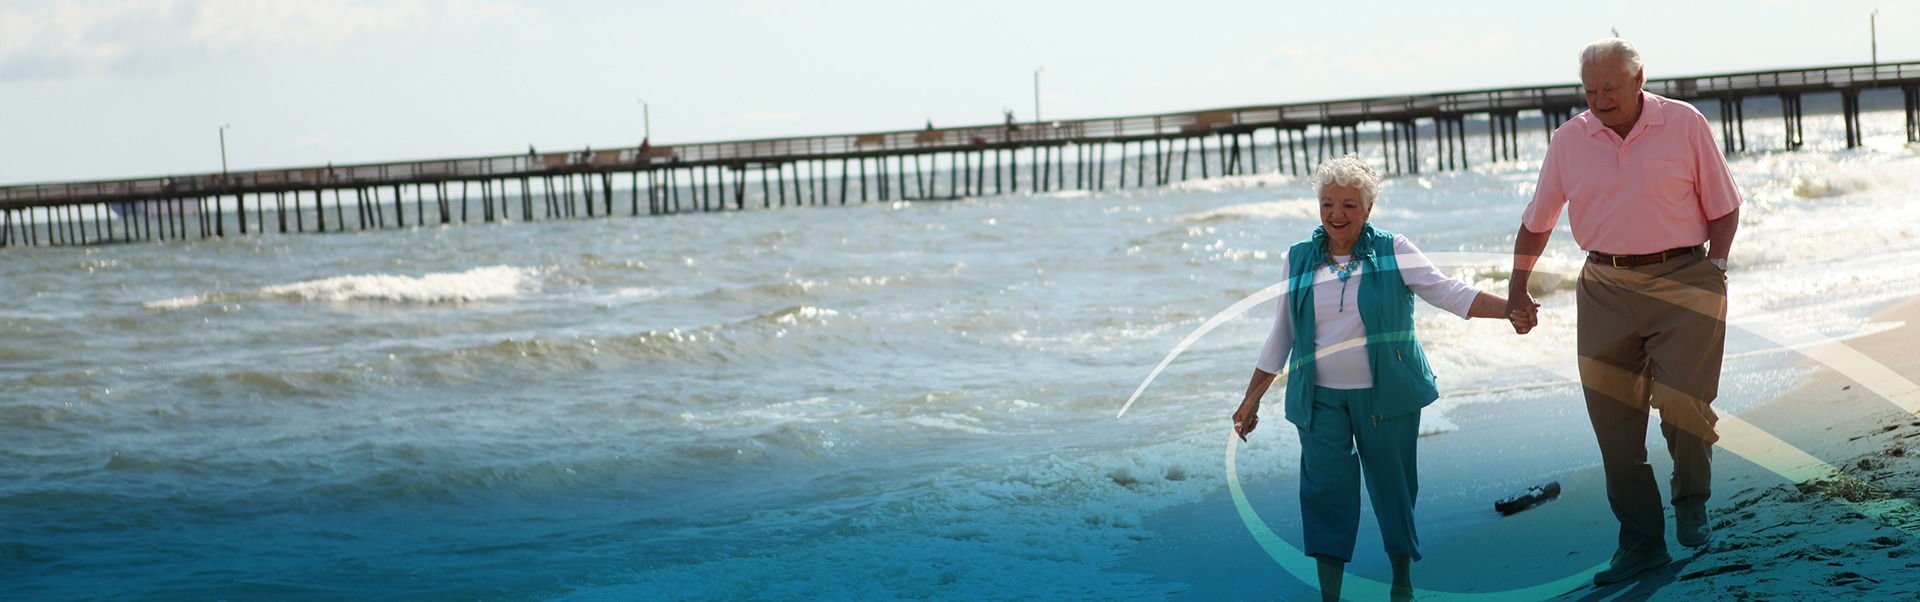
{"x": 946, "y": 163}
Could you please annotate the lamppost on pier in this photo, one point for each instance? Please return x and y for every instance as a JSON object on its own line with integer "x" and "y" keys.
{"x": 1873, "y": 33}
{"x": 223, "y": 148}
{"x": 646, "y": 119}
{"x": 1036, "y": 94}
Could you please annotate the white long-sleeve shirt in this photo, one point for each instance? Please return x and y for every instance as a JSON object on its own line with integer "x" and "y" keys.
{"x": 1336, "y": 316}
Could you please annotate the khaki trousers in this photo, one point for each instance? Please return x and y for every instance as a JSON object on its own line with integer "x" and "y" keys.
{"x": 1651, "y": 337}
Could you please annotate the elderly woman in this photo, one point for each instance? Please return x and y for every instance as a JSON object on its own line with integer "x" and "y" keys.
{"x": 1357, "y": 376}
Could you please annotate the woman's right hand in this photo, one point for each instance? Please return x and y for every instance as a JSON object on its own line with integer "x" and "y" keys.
{"x": 1249, "y": 414}
{"x": 1245, "y": 419}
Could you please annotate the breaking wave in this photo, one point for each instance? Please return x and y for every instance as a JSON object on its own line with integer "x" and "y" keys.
{"x": 478, "y": 284}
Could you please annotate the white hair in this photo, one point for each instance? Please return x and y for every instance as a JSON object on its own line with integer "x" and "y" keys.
{"x": 1348, "y": 171}
{"x": 1605, "y": 48}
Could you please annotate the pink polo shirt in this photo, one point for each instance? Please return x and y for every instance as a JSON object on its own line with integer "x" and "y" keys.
{"x": 1651, "y": 192}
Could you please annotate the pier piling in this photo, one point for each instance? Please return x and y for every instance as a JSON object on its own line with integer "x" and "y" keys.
{"x": 1850, "y": 114}
{"x": 1910, "y": 95}
{"x": 712, "y": 174}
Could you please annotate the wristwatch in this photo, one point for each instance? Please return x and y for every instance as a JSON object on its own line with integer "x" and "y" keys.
{"x": 1718, "y": 263}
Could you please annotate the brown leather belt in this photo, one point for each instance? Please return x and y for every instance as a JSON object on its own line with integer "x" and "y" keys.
{"x": 1634, "y": 261}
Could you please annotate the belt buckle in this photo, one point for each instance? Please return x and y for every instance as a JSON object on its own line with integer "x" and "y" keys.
{"x": 1615, "y": 260}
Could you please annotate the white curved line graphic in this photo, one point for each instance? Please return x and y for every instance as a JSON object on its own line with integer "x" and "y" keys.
{"x": 1736, "y": 435}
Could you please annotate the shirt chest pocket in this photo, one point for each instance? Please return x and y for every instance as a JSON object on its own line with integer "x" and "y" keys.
{"x": 1668, "y": 181}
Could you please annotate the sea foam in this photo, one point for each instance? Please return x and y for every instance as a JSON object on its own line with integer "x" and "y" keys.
{"x": 478, "y": 284}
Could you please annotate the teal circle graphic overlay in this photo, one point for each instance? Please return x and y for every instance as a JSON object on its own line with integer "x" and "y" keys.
{"x": 1737, "y": 435}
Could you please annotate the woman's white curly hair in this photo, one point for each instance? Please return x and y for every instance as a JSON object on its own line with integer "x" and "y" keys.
{"x": 1348, "y": 171}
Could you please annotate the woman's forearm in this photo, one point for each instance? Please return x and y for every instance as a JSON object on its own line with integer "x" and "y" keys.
{"x": 1257, "y": 386}
{"x": 1488, "y": 305}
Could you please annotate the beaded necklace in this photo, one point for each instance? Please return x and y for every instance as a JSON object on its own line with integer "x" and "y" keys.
{"x": 1342, "y": 271}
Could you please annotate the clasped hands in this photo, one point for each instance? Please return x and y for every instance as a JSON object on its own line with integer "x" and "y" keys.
{"x": 1522, "y": 312}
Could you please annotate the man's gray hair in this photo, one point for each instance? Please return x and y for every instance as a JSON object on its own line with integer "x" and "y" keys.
{"x": 1605, "y": 48}
{"x": 1348, "y": 171}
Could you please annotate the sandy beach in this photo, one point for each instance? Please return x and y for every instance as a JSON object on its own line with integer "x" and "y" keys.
{"x": 1774, "y": 539}
{"x": 1840, "y": 527}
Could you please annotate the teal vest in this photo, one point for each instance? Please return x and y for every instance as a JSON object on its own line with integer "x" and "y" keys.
{"x": 1402, "y": 380}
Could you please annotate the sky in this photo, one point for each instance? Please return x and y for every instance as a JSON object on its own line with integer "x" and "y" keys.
{"x": 113, "y": 89}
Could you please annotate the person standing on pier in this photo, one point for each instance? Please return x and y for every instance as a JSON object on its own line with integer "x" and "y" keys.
{"x": 1655, "y": 207}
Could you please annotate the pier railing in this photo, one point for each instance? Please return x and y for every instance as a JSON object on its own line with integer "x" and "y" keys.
{"x": 1560, "y": 99}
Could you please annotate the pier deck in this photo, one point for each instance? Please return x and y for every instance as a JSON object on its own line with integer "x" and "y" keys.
{"x": 204, "y": 204}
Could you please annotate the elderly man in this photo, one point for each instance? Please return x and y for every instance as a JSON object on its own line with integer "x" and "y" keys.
{"x": 1654, "y": 206}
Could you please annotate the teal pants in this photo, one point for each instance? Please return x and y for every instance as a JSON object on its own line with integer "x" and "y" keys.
{"x": 1330, "y": 471}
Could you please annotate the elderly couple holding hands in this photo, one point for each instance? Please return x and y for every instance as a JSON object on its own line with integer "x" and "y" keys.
{"x": 1650, "y": 199}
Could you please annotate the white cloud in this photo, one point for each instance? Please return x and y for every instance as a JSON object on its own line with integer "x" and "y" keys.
{"x": 1284, "y": 57}
{"x": 765, "y": 116}
{"x": 65, "y": 38}
{"x": 1401, "y": 66}
{"x": 323, "y": 141}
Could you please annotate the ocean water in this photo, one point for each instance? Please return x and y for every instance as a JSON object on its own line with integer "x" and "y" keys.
{"x": 901, "y": 400}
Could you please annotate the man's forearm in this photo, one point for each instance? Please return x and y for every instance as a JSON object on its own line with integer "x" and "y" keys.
{"x": 1527, "y": 247}
{"x": 1720, "y": 234}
